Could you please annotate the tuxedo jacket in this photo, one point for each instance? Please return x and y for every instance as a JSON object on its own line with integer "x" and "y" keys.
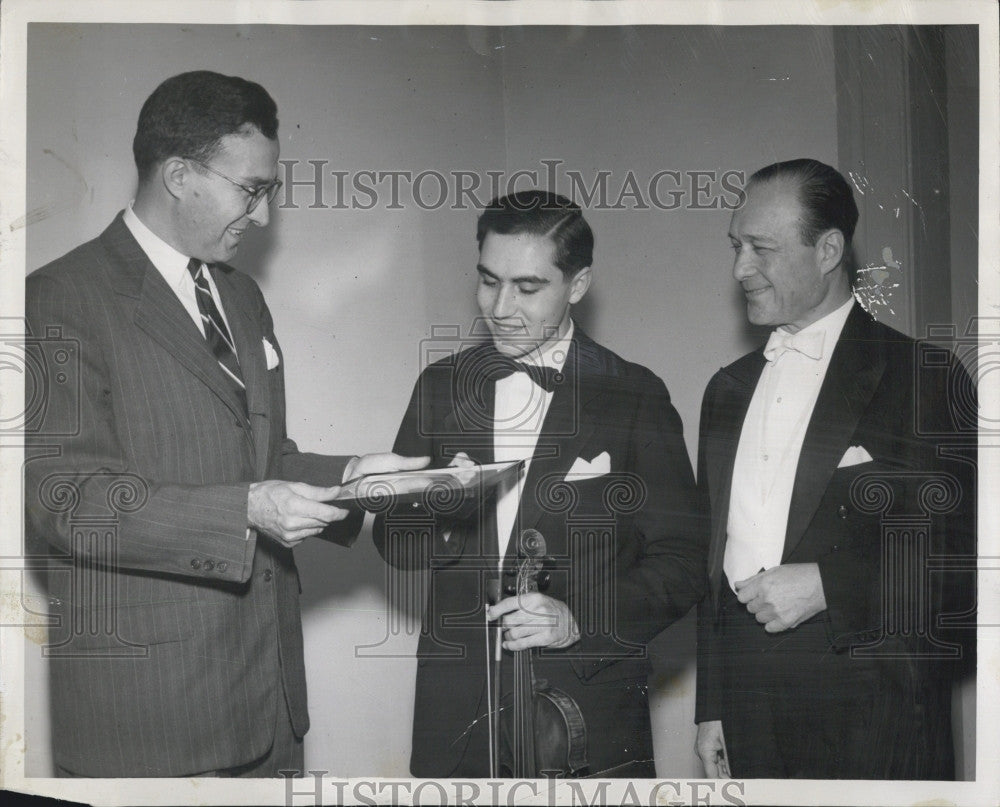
{"x": 880, "y": 531}
{"x": 627, "y": 546}
{"x": 176, "y": 635}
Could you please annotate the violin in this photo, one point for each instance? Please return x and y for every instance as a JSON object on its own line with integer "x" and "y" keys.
{"x": 540, "y": 730}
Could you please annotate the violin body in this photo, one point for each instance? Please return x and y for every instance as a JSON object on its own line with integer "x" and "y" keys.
{"x": 560, "y": 733}
{"x": 542, "y": 730}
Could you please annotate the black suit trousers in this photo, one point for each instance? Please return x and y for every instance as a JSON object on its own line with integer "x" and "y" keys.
{"x": 795, "y": 708}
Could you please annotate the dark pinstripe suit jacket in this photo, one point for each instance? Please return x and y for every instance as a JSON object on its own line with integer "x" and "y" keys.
{"x": 178, "y": 632}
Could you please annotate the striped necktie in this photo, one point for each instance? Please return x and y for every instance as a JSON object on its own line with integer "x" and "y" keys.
{"x": 216, "y": 333}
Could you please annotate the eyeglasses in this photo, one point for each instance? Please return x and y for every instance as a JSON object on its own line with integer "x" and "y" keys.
{"x": 256, "y": 194}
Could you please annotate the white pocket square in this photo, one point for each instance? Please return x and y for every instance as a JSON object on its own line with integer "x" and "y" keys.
{"x": 855, "y": 455}
{"x": 270, "y": 354}
{"x": 598, "y": 466}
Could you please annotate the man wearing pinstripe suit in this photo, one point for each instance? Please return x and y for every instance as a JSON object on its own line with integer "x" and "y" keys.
{"x": 164, "y": 480}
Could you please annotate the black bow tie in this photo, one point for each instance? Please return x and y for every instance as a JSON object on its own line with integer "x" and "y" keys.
{"x": 501, "y": 366}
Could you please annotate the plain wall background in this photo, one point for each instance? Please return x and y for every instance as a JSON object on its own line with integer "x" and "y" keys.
{"x": 355, "y": 293}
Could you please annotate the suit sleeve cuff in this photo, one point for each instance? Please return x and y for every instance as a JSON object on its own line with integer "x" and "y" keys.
{"x": 847, "y": 591}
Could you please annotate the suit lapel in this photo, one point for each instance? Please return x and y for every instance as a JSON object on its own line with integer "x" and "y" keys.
{"x": 854, "y": 373}
{"x": 467, "y": 396}
{"x": 737, "y": 385}
{"x": 468, "y": 424}
{"x": 161, "y": 315}
{"x": 569, "y": 423}
{"x": 253, "y": 364}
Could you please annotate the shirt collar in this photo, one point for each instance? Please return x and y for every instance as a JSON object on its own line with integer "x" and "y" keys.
{"x": 168, "y": 261}
{"x": 830, "y": 326}
{"x": 555, "y": 354}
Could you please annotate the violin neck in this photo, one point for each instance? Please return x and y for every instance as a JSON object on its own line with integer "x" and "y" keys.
{"x": 524, "y": 716}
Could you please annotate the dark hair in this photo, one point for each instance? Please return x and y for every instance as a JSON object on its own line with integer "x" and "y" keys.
{"x": 542, "y": 213}
{"x": 826, "y": 198}
{"x": 188, "y": 114}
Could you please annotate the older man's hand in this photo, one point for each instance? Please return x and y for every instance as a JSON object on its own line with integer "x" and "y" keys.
{"x": 783, "y": 597}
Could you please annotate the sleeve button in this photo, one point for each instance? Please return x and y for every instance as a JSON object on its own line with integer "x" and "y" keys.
{"x": 195, "y": 563}
{"x": 221, "y": 566}
{"x": 208, "y": 565}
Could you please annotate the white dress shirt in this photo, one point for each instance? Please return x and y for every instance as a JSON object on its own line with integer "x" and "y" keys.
{"x": 518, "y": 413}
{"x": 770, "y": 443}
{"x": 174, "y": 267}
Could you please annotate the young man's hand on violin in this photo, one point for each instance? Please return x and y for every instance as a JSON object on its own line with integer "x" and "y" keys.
{"x": 535, "y": 620}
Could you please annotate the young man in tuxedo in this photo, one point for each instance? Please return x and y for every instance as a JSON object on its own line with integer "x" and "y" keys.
{"x": 822, "y": 463}
{"x": 179, "y": 649}
{"x": 608, "y": 485}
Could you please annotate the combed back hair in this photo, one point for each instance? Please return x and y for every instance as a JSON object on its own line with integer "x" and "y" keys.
{"x": 189, "y": 114}
{"x": 826, "y": 198}
{"x": 542, "y": 213}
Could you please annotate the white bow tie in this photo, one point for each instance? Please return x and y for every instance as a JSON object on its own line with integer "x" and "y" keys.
{"x": 808, "y": 344}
